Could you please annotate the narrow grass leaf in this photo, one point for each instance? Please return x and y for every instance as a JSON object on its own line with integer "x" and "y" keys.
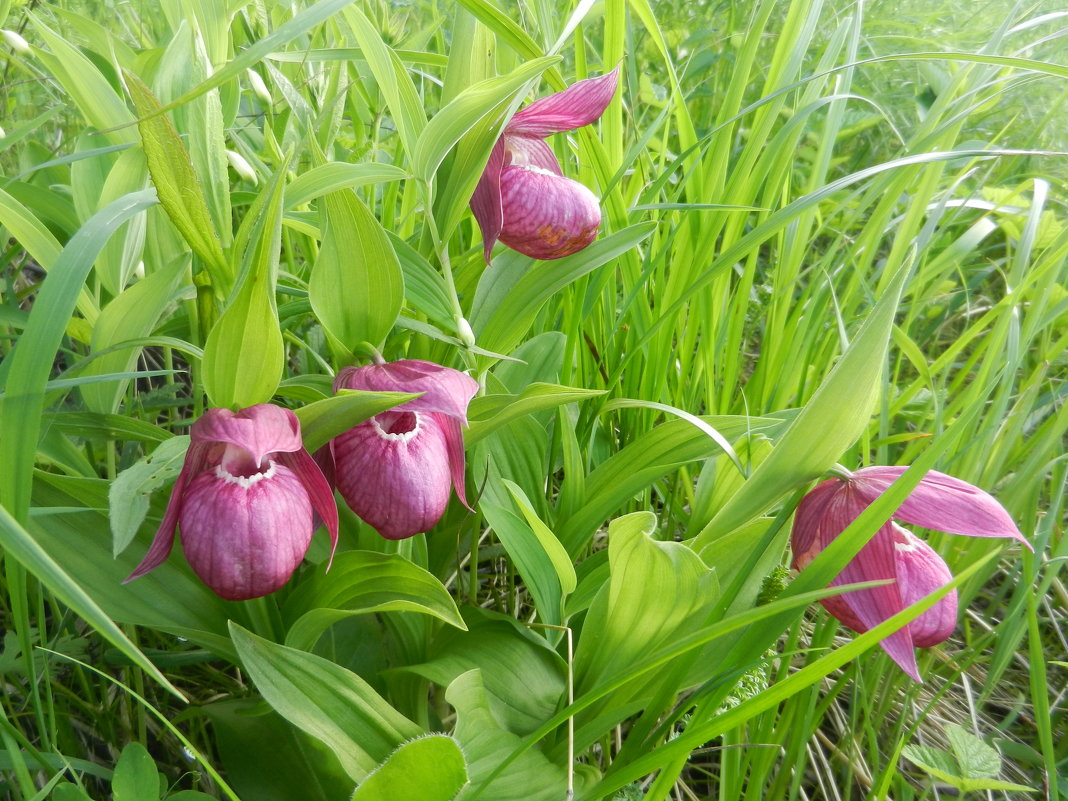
{"x": 21, "y": 546}
{"x": 28, "y": 367}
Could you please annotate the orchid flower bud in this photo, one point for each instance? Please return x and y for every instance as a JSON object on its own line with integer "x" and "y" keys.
{"x": 523, "y": 198}
{"x": 913, "y": 567}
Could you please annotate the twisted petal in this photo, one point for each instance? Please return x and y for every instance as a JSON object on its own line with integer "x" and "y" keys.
{"x": 486, "y": 201}
{"x": 394, "y": 471}
{"x": 445, "y": 390}
{"x": 546, "y": 216}
{"x": 942, "y": 503}
{"x": 244, "y": 537}
{"x": 259, "y": 430}
{"x": 580, "y": 104}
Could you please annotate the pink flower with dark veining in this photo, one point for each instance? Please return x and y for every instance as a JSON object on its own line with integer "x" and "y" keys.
{"x": 939, "y": 502}
{"x": 397, "y": 469}
{"x": 245, "y": 501}
{"x": 523, "y": 198}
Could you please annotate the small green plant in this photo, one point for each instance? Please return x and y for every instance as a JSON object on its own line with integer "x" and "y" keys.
{"x": 971, "y": 766}
{"x": 135, "y": 779}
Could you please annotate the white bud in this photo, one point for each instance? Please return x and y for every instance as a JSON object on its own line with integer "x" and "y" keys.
{"x": 259, "y": 88}
{"x": 241, "y": 167}
{"x": 463, "y": 328}
{"x": 16, "y": 42}
{"x": 139, "y": 270}
{"x": 3, "y": 133}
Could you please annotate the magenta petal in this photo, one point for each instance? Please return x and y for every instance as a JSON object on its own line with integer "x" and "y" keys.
{"x": 399, "y": 483}
{"x": 244, "y": 537}
{"x": 872, "y": 606}
{"x": 580, "y": 104}
{"x": 319, "y": 491}
{"x": 445, "y": 390}
{"x": 454, "y": 446}
{"x": 804, "y": 537}
{"x": 943, "y": 503}
{"x": 196, "y": 461}
{"x": 259, "y": 430}
{"x": 547, "y": 216}
{"x": 921, "y": 571}
{"x": 486, "y": 200}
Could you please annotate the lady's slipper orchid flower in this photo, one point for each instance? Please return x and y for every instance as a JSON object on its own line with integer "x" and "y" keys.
{"x": 246, "y": 502}
{"x": 396, "y": 469}
{"x": 523, "y": 198}
{"x": 939, "y": 502}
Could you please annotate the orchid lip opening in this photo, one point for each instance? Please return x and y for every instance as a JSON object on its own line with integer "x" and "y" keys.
{"x": 399, "y": 436}
{"x": 245, "y": 481}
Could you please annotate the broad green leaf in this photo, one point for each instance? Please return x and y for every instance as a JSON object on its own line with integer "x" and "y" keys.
{"x": 359, "y": 583}
{"x": 356, "y": 287}
{"x": 486, "y": 745}
{"x": 657, "y": 591}
{"x": 561, "y": 562}
{"x": 132, "y": 315}
{"x": 176, "y": 182}
{"x": 936, "y": 762}
{"x": 335, "y": 176}
{"x": 268, "y": 759}
{"x": 531, "y": 562}
{"x": 330, "y": 703}
{"x": 430, "y": 768}
{"x": 136, "y": 777}
{"x": 510, "y": 295}
{"x": 199, "y": 121}
{"x": 977, "y": 760}
{"x": 487, "y": 413}
{"x": 832, "y": 420}
{"x": 244, "y": 356}
{"x": 121, "y": 254}
{"x": 129, "y": 493}
{"x": 87, "y": 87}
{"x": 467, "y": 110}
{"x": 424, "y": 288}
{"x": 323, "y": 420}
{"x": 26, "y": 370}
{"x": 524, "y": 677}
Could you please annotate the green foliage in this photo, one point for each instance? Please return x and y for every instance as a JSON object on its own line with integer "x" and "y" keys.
{"x": 831, "y": 234}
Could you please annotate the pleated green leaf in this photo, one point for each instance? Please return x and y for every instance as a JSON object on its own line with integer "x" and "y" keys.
{"x": 430, "y": 768}
{"x": 244, "y": 355}
{"x": 332, "y": 704}
{"x": 176, "y": 182}
{"x": 360, "y": 583}
{"x": 486, "y": 745}
{"x": 356, "y": 287}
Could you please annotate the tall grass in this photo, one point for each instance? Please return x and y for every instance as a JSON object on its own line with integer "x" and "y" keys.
{"x": 834, "y": 232}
